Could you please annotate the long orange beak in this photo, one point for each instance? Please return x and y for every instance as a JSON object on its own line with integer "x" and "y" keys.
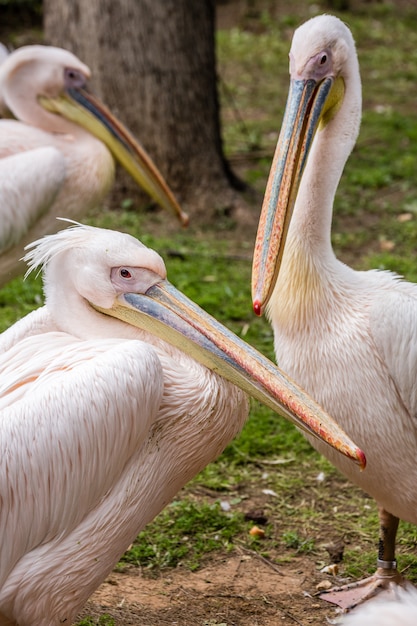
{"x": 81, "y": 107}
{"x": 309, "y": 104}
{"x": 166, "y": 312}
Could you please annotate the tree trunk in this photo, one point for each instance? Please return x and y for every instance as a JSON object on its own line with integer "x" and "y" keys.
{"x": 153, "y": 63}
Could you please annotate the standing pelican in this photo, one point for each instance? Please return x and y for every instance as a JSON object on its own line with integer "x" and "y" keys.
{"x": 347, "y": 337}
{"x": 56, "y": 155}
{"x": 108, "y": 406}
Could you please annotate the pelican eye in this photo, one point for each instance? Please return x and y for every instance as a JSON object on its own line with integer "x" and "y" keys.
{"x": 124, "y": 273}
{"x": 323, "y": 59}
{"x": 73, "y": 78}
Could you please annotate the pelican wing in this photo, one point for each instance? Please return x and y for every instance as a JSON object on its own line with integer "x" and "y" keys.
{"x": 30, "y": 182}
{"x": 36, "y": 322}
{"x": 393, "y": 320}
{"x": 72, "y": 415}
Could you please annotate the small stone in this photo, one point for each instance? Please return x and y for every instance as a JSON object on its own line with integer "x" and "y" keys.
{"x": 386, "y": 245}
{"x": 323, "y": 585}
{"x": 404, "y": 217}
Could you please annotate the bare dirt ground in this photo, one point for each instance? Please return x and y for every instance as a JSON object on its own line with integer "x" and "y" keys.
{"x": 243, "y": 587}
{"x": 234, "y": 590}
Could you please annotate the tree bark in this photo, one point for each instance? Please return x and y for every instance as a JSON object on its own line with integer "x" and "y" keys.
{"x": 153, "y": 63}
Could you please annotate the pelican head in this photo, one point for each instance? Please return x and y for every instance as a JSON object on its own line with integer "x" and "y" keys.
{"x": 44, "y": 86}
{"x": 323, "y": 71}
{"x": 100, "y": 275}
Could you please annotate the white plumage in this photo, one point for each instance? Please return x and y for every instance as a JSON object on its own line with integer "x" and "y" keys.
{"x": 348, "y": 337}
{"x": 4, "y": 53}
{"x": 101, "y": 423}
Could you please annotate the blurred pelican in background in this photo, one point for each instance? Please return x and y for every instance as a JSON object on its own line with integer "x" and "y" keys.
{"x": 57, "y": 154}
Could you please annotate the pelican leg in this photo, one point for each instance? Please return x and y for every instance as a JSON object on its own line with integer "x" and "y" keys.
{"x": 388, "y": 526}
{"x": 385, "y": 577}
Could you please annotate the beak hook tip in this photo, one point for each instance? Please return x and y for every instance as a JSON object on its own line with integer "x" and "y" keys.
{"x": 362, "y": 460}
{"x": 257, "y": 308}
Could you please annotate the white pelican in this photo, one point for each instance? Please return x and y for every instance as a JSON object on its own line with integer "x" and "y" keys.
{"x": 347, "y": 337}
{"x": 103, "y": 422}
{"x": 56, "y": 155}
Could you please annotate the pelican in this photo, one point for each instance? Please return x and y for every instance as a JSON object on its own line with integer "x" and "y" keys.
{"x": 111, "y": 399}
{"x": 348, "y": 337}
{"x": 56, "y": 156}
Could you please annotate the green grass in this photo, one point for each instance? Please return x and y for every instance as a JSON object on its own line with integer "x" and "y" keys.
{"x": 183, "y": 533}
{"x": 18, "y": 298}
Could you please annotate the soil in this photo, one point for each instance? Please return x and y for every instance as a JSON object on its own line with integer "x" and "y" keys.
{"x": 244, "y": 587}
{"x": 234, "y": 590}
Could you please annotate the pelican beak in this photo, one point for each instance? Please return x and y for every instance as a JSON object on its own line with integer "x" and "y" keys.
{"x": 167, "y": 313}
{"x": 310, "y": 105}
{"x": 81, "y": 107}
